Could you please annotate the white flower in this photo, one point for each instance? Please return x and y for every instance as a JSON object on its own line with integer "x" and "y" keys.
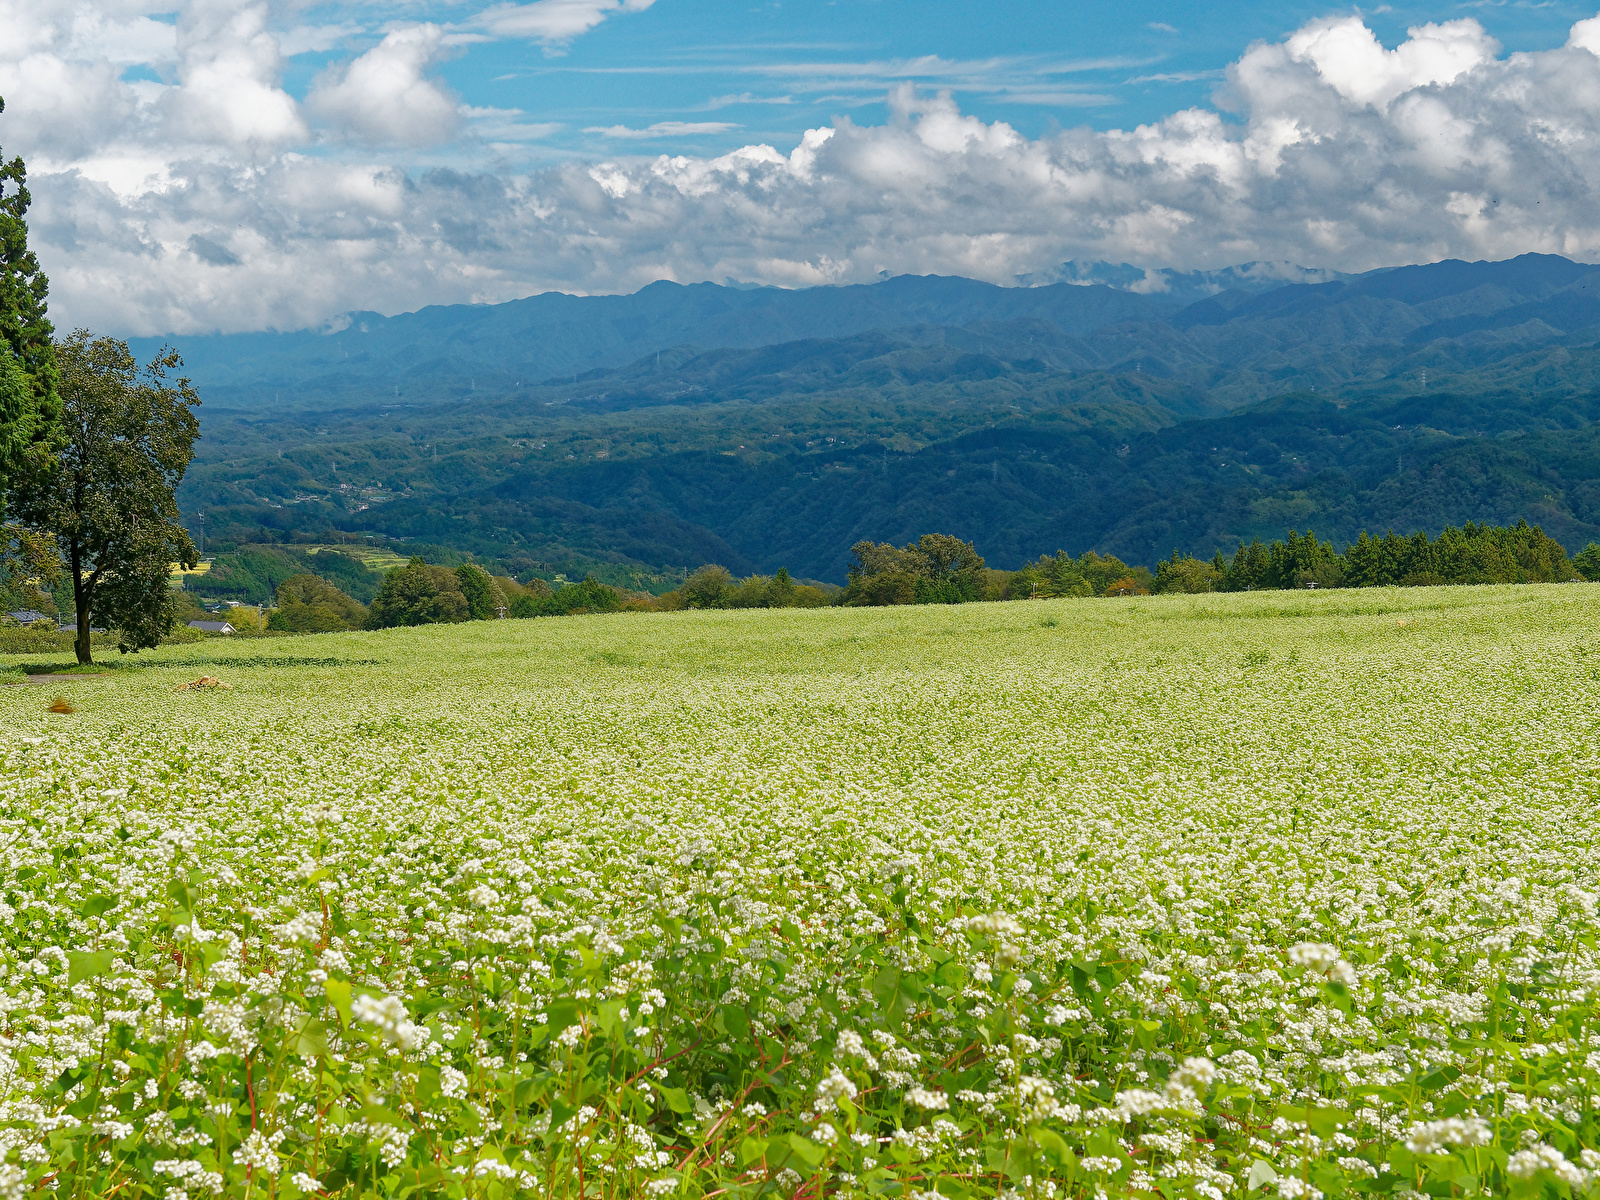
{"x": 305, "y": 1182}
{"x": 387, "y": 1014}
{"x": 1525, "y": 1164}
{"x": 256, "y": 1152}
{"x": 922, "y": 1098}
{"x": 333, "y": 960}
{"x": 1314, "y": 956}
{"x": 307, "y": 927}
{"x": 1036, "y": 1099}
{"x": 1436, "y": 1137}
{"x": 1292, "y": 1187}
{"x": 993, "y": 923}
{"x": 833, "y": 1087}
{"x": 850, "y": 1043}
{"x": 825, "y": 1134}
{"x": 1196, "y": 1073}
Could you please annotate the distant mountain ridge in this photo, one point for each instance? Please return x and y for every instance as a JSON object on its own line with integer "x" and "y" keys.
{"x": 767, "y": 428}
{"x": 1254, "y": 338}
{"x": 521, "y": 342}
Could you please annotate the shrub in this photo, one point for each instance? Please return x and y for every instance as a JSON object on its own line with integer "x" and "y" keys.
{"x": 418, "y": 594}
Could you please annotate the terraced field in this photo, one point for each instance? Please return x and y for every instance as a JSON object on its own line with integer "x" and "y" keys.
{"x": 1287, "y": 894}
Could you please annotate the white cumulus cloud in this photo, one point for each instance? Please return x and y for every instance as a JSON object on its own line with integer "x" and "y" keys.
{"x": 179, "y": 206}
{"x": 385, "y": 98}
{"x": 229, "y": 71}
{"x": 551, "y": 21}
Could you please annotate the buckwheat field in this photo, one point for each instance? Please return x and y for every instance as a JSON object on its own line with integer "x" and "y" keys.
{"x": 1259, "y": 895}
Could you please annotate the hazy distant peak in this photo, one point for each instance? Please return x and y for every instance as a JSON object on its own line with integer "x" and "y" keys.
{"x": 1182, "y": 287}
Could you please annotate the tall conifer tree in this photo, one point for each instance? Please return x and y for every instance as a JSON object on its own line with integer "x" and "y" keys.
{"x": 29, "y": 405}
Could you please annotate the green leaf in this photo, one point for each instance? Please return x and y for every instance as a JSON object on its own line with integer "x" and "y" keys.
{"x": 1055, "y": 1147}
{"x": 82, "y": 964}
{"x": 181, "y": 895}
{"x": 95, "y": 905}
{"x": 560, "y": 1113}
{"x": 736, "y": 1021}
{"x": 310, "y": 1039}
{"x": 339, "y": 996}
{"x": 886, "y": 984}
{"x": 529, "y": 1090}
{"x": 677, "y": 1099}
{"x": 1325, "y": 1121}
{"x": 428, "y": 1083}
{"x": 375, "y": 1114}
{"x": 752, "y": 1150}
{"x": 607, "y": 1015}
{"x": 805, "y": 1149}
{"x": 562, "y": 1014}
{"x": 1440, "y": 1078}
{"x": 1261, "y": 1173}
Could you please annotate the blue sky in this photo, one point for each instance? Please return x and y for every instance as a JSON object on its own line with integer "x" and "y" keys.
{"x": 251, "y": 164}
{"x": 766, "y": 72}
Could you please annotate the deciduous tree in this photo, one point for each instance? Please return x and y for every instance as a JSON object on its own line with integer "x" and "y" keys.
{"x": 418, "y": 594}
{"x": 103, "y": 492}
{"x": 308, "y": 603}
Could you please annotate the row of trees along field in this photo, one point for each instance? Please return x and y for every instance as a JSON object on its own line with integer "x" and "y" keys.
{"x": 935, "y": 569}
{"x": 941, "y": 569}
{"x": 945, "y": 570}
{"x": 1520, "y": 553}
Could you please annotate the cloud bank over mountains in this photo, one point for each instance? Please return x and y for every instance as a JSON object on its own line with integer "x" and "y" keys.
{"x": 209, "y": 197}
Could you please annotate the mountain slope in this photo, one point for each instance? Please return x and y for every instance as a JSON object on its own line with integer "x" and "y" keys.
{"x": 460, "y": 348}
{"x": 1054, "y": 417}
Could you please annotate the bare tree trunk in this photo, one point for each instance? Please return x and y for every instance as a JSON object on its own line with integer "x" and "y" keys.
{"x": 80, "y": 601}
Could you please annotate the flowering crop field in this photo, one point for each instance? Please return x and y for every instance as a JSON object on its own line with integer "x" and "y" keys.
{"x": 1281, "y": 894}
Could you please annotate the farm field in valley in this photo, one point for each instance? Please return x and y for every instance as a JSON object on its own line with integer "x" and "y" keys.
{"x": 1194, "y": 896}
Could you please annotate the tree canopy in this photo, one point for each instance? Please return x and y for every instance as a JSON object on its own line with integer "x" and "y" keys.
{"x": 1519, "y": 553}
{"x": 713, "y": 586}
{"x": 308, "y": 603}
{"x": 418, "y": 594}
{"x": 484, "y": 596}
{"x": 29, "y": 398}
{"x": 935, "y": 569}
{"x": 102, "y": 496}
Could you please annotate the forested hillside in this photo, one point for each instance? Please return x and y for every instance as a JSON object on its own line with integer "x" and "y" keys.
{"x": 1025, "y": 419}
